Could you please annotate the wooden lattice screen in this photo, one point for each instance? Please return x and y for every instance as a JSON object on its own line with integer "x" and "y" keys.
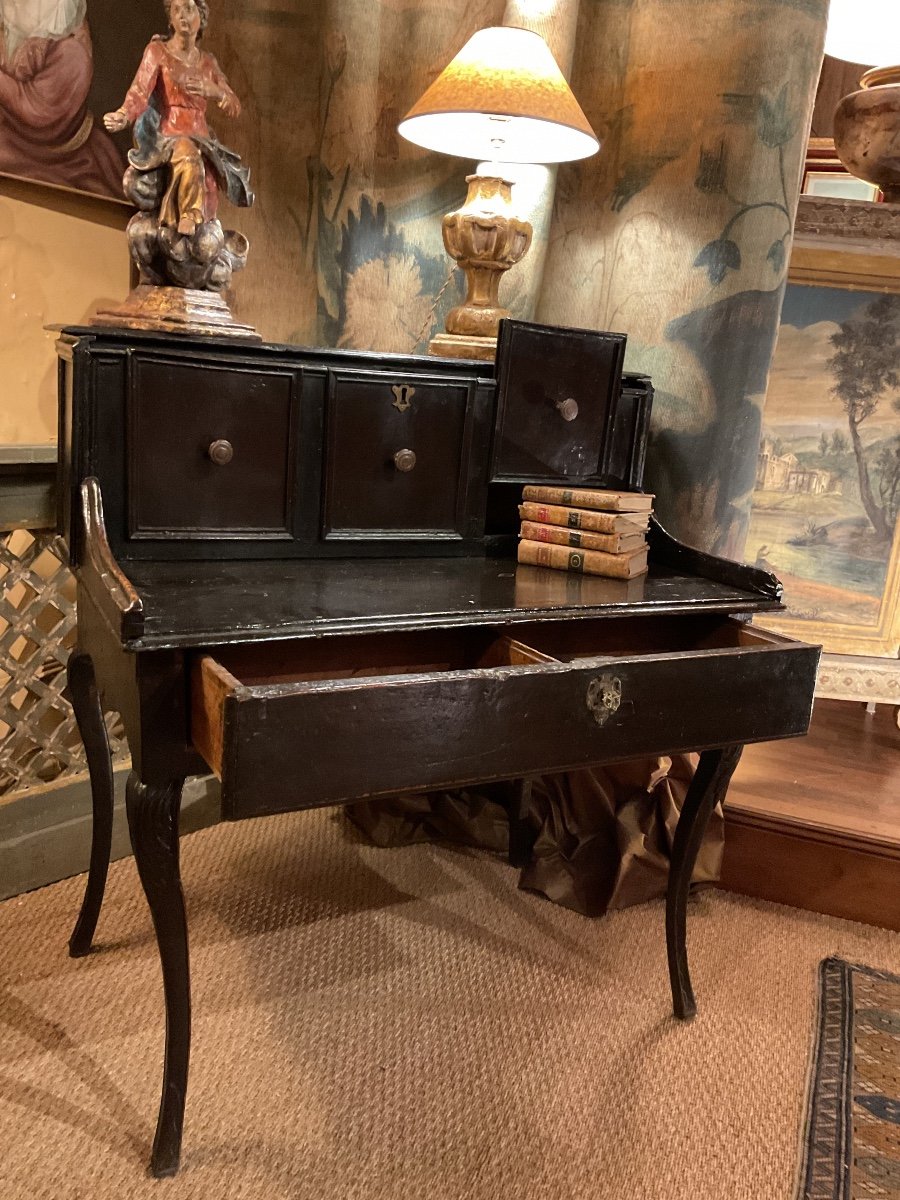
{"x": 39, "y": 741}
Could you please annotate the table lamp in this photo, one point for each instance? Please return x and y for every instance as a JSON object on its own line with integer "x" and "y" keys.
{"x": 502, "y": 99}
{"x": 867, "y": 122}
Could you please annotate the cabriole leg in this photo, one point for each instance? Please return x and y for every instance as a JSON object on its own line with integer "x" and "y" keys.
{"x": 153, "y": 823}
{"x": 707, "y": 788}
{"x": 521, "y": 837}
{"x": 89, "y": 718}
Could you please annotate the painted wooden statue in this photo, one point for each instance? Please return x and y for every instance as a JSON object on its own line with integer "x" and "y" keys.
{"x": 177, "y": 171}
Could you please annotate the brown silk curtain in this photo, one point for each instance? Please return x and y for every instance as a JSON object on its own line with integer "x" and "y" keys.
{"x": 677, "y": 233}
{"x": 602, "y": 837}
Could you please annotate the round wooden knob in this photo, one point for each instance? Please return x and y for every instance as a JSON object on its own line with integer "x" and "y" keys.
{"x": 221, "y": 452}
{"x": 568, "y": 409}
{"x": 405, "y": 460}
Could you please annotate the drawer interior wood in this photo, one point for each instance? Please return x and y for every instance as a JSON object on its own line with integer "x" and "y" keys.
{"x": 635, "y": 636}
{"x": 362, "y": 655}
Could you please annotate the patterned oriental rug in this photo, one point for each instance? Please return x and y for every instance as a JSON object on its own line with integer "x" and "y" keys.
{"x": 852, "y": 1135}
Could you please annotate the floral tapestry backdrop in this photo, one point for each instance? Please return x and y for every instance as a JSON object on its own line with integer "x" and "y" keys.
{"x": 676, "y": 233}
{"x": 346, "y": 231}
{"x": 378, "y": 201}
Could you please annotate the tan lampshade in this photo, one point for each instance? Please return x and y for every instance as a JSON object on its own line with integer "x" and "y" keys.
{"x": 503, "y": 98}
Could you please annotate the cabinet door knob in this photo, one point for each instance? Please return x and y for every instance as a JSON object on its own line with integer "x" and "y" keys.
{"x": 568, "y": 409}
{"x": 221, "y": 452}
{"x": 405, "y": 460}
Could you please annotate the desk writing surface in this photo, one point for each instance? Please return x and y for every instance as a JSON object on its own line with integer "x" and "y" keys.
{"x": 193, "y": 604}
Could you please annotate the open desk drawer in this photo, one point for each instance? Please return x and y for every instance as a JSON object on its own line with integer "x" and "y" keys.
{"x": 295, "y": 724}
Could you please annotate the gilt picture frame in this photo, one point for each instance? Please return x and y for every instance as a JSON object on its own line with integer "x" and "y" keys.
{"x": 824, "y": 514}
{"x": 825, "y": 175}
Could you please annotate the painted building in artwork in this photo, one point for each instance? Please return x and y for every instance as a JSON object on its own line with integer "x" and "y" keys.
{"x": 783, "y": 473}
{"x": 814, "y": 482}
{"x": 773, "y": 470}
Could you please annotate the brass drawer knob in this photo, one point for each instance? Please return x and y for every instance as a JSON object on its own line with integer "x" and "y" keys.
{"x": 221, "y": 452}
{"x": 567, "y": 409}
{"x": 604, "y": 695}
{"x": 405, "y": 460}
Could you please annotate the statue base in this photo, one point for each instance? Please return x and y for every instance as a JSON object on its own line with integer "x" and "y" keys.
{"x": 462, "y": 345}
{"x": 176, "y": 310}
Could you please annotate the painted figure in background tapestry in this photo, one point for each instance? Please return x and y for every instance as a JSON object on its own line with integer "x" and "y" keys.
{"x": 178, "y": 167}
{"x": 47, "y": 132}
{"x": 826, "y": 509}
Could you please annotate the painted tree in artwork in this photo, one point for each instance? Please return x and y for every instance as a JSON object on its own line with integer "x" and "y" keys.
{"x": 888, "y": 464}
{"x": 866, "y": 364}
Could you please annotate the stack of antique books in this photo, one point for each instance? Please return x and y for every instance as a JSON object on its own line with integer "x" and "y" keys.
{"x": 592, "y": 530}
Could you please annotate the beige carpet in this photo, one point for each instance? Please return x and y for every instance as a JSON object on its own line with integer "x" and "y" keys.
{"x": 405, "y": 1024}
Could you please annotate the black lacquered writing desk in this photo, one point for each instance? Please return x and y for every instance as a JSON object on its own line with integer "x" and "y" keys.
{"x": 303, "y": 683}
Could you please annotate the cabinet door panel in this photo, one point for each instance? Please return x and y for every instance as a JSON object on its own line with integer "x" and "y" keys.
{"x": 398, "y": 456}
{"x": 557, "y": 394}
{"x": 210, "y": 450}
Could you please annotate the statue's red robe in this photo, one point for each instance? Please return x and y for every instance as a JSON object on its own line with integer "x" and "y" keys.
{"x": 164, "y": 78}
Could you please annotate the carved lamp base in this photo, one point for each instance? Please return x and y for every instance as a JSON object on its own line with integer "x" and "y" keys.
{"x": 486, "y": 239}
{"x": 459, "y": 345}
{"x": 176, "y": 310}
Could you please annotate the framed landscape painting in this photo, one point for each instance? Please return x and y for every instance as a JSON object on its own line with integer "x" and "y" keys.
{"x": 825, "y": 508}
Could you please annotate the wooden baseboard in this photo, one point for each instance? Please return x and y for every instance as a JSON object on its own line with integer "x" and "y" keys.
{"x": 839, "y": 872}
{"x": 45, "y": 832}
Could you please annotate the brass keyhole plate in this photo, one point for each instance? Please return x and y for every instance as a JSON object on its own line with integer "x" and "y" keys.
{"x": 604, "y": 695}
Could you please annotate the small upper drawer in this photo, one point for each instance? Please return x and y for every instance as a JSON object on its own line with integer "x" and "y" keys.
{"x": 210, "y": 450}
{"x": 399, "y": 457}
{"x": 556, "y": 400}
{"x": 446, "y": 707}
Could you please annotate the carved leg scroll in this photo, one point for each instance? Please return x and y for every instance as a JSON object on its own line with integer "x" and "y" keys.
{"x": 153, "y": 824}
{"x": 707, "y": 788}
{"x": 92, "y": 727}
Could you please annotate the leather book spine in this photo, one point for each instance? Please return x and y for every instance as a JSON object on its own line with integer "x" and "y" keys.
{"x": 610, "y": 543}
{"x": 580, "y": 518}
{"x": 587, "y": 562}
{"x": 592, "y": 498}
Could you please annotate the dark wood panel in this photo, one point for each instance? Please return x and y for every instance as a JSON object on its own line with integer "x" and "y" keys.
{"x": 557, "y": 396}
{"x": 396, "y": 455}
{"x": 628, "y": 436}
{"x": 192, "y": 604}
{"x": 179, "y": 414}
{"x": 230, "y": 350}
{"x": 282, "y": 743}
{"x": 140, "y": 414}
